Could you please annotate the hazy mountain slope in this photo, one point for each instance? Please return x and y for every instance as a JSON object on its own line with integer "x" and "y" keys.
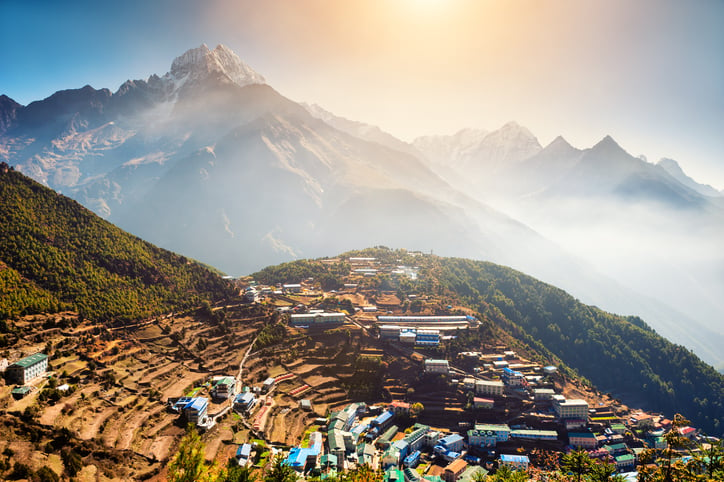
{"x": 631, "y": 221}
{"x": 674, "y": 169}
{"x": 65, "y": 250}
{"x": 361, "y": 130}
{"x": 291, "y": 185}
{"x": 445, "y": 150}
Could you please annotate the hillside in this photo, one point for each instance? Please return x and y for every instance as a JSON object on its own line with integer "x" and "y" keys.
{"x": 618, "y": 354}
{"x": 209, "y": 160}
{"x": 55, "y": 254}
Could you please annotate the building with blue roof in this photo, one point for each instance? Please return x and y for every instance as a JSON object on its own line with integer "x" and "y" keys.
{"x": 412, "y": 460}
{"x": 244, "y": 402}
{"x": 512, "y": 378}
{"x": 452, "y": 442}
{"x": 195, "y": 410}
{"x": 383, "y": 420}
{"x": 449, "y": 447}
{"x": 243, "y": 453}
{"x": 299, "y": 457}
{"x": 427, "y": 338}
{"x": 181, "y": 403}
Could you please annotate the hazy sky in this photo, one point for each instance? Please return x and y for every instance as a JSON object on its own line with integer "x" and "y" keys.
{"x": 648, "y": 72}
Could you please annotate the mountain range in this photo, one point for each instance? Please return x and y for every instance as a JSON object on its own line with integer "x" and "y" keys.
{"x": 210, "y": 161}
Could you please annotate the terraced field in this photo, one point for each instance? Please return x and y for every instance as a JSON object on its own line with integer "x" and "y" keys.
{"x": 121, "y": 379}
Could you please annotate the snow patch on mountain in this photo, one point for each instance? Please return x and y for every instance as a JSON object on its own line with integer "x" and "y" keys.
{"x": 446, "y": 149}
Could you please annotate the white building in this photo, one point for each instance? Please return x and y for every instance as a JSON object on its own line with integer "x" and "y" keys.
{"x": 488, "y": 435}
{"x": 292, "y": 288}
{"x": 571, "y": 409}
{"x": 28, "y": 368}
{"x": 224, "y": 387}
{"x": 543, "y": 394}
{"x": 437, "y": 366}
{"x": 489, "y": 387}
{"x": 309, "y": 319}
{"x": 390, "y": 332}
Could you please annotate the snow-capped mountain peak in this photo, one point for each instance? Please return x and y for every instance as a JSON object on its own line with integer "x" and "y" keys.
{"x": 201, "y": 61}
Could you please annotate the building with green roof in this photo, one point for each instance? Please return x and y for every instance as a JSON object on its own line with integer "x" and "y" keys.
{"x": 28, "y": 368}
{"x": 394, "y": 474}
{"x": 415, "y": 439}
{"x": 20, "y": 392}
{"x": 383, "y": 443}
{"x": 473, "y": 473}
{"x": 625, "y": 462}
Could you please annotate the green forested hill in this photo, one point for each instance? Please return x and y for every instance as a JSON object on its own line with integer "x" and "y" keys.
{"x": 19, "y": 296}
{"x": 56, "y": 254}
{"x": 618, "y": 354}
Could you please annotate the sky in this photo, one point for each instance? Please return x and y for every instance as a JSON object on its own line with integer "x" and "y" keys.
{"x": 650, "y": 73}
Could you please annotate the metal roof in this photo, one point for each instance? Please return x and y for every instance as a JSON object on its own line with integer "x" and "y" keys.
{"x": 520, "y": 459}
{"x": 29, "y": 361}
{"x": 198, "y": 403}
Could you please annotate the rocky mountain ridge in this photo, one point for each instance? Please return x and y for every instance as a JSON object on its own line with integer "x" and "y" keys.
{"x": 211, "y": 161}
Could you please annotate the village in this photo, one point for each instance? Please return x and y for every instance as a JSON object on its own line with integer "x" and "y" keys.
{"x": 436, "y": 416}
{"x": 496, "y": 408}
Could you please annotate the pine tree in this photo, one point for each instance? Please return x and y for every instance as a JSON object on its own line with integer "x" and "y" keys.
{"x": 188, "y": 463}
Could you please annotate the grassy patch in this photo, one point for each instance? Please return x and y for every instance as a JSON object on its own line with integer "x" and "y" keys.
{"x": 193, "y": 392}
{"x": 307, "y": 433}
{"x": 259, "y": 442}
{"x": 275, "y": 371}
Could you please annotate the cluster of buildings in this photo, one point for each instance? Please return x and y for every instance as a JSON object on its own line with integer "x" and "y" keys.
{"x": 411, "y": 336}
{"x": 360, "y": 434}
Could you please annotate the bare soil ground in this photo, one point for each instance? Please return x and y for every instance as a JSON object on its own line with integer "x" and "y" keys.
{"x": 122, "y": 380}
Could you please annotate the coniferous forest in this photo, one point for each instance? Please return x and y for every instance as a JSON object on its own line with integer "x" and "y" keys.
{"x": 56, "y": 254}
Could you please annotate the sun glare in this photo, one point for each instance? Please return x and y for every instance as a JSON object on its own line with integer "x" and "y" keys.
{"x": 428, "y": 3}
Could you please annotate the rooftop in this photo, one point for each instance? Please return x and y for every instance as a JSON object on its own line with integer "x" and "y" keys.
{"x": 198, "y": 404}
{"x": 457, "y": 465}
{"x": 31, "y": 360}
{"x": 492, "y": 427}
{"x": 517, "y": 459}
